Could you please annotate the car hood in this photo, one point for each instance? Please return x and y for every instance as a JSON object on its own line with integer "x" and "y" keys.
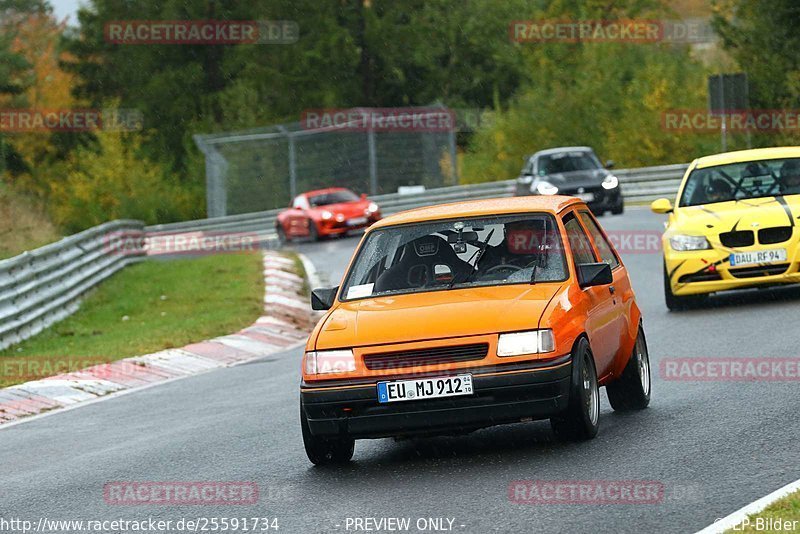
{"x": 591, "y": 178}
{"x": 435, "y": 315}
{"x": 737, "y": 215}
{"x": 348, "y": 209}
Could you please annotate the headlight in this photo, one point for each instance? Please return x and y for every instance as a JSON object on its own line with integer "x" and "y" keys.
{"x": 689, "y": 242}
{"x": 546, "y": 188}
{"x": 330, "y": 361}
{"x": 372, "y": 208}
{"x": 610, "y": 182}
{"x": 519, "y": 343}
{"x": 326, "y": 215}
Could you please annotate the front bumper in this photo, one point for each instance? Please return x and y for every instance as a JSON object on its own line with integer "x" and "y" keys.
{"x": 503, "y": 394}
{"x": 690, "y": 273}
{"x": 331, "y": 227}
{"x": 604, "y": 199}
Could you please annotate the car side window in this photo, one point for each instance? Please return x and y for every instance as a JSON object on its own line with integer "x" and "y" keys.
{"x": 602, "y": 244}
{"x": 579, "y": 243}
{"x": 300, "y": 203}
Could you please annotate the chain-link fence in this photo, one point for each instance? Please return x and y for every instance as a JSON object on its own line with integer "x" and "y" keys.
{"x": 368, "y": 150}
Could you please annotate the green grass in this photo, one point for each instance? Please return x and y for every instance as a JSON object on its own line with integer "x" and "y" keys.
{"x": 786, "y": 509}
{"x": 145, "y": 308}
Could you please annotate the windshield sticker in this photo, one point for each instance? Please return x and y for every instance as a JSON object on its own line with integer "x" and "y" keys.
{"x": 357, "y": 292}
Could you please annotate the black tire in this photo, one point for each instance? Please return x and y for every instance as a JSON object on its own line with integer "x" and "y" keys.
{"x": 281, "y": 233}
{"x": 618, "y": 210}
{"x": 631, "y": 391}
{"x": 313, "y": 232}
{"x": 581, "y": 420}
{"x": 676, "y": 303}
{"x": 324, "y": 451}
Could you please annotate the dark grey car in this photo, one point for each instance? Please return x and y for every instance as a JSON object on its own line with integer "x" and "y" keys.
{"x": 574, "y": 171}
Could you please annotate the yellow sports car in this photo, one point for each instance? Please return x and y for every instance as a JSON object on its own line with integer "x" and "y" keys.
{"x": 734, "y": 225}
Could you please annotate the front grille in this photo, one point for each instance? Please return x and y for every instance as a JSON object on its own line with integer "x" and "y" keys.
{"x": 755, "y": 272}
{"x": 430, "y": 356}
{"x": 740, "y": 238}
{"x": 778, "y": 234}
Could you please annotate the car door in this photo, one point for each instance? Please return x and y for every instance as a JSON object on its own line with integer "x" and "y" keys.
{"x": 297, "y": 217}
{"x": 601, "y": 315}
{"x": 622, "y": 297}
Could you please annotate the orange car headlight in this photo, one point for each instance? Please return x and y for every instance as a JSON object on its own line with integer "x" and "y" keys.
{"x": 329, "y": 362}
{"x": 519, "y": 343}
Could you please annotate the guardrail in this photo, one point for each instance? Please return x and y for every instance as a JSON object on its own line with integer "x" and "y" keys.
{"x": 639, "y": 185}
{"x": 45, "y": 285}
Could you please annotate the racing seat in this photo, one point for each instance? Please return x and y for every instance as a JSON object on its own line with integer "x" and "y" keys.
{"x": 417, "y": 264}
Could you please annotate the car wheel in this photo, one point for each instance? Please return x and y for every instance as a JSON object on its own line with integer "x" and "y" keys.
{"x": 323, "y": 451}
{"x": 582, "y": 417}
{"x": 631, "y": 391}
{"x": 677, "y": 303}
{"x": 281, "y": 233}
{"x": 313, "y": 232}
{"x": 618, "y": 210}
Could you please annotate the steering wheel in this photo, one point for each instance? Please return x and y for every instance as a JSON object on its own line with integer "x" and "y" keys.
{"x": 490, "y": 270}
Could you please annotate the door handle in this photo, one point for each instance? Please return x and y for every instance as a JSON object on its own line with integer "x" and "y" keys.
{"x": 612, "y": 289}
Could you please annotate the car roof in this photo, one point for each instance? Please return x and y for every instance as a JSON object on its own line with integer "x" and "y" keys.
{"x": 754, "y": 154}
{"x": 480, "y": 208}
{"x": 560, "y": 149}
{"x": 324, "y": 191}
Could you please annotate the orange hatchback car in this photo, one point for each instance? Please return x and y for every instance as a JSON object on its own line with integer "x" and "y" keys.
{"x": 461, "y": 316}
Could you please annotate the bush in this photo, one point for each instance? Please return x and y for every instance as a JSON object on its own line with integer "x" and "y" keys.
{"x": 112, "y": 179}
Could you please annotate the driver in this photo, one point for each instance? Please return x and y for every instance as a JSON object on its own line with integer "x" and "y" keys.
{"x": 718, "y": 191}
{"x": 519, "y": 247}
{"x": 790, "y": 177}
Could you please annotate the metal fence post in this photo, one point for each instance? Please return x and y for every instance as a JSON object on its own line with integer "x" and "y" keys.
{"x": 373, "y": 162}
{"x": 292, "y": 167}
{"x": 451, "y": 138}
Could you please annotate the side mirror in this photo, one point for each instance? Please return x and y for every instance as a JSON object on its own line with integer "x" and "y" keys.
{"x": 610, "y": 164}
{"x": 363, "y": 196}
{"x": 594, "y": 274}
{"x": 662, "y": 205}
{"x": 322, "y": 299}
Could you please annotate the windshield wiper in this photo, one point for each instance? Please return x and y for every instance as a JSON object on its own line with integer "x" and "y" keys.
{"x": 480, "y": 252}
{"x": 538, "y": 259}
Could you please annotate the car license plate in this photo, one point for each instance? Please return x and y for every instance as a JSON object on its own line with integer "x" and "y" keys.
{"x": 758, "y": 256}
{"x": 425, "y": 388}
{"x": 586, "y": 197}
{"x": 358, "y": 221}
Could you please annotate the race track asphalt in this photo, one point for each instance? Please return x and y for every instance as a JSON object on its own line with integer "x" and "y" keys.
{"x": 715, "y": 446}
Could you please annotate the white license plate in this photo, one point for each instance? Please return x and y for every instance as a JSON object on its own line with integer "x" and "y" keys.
{"x": 357, "y": 221}
{"x": 586, "y": 197}
{"x": 425, "y": 388}
{"x": 758, "y": 256}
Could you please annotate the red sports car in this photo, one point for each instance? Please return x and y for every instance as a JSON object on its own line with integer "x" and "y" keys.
{"x": 326, "y": 212}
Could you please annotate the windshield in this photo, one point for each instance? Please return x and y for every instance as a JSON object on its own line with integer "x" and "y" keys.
{"x": 332, "y": 197}
{"x": 567, "y": 162}
{"x": 741, "y": 181}
{"x": 457, "y": 253}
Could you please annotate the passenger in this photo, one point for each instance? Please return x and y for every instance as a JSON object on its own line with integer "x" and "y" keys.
{"x": 718, "y": 191}
{"x": 789, "y": 182}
